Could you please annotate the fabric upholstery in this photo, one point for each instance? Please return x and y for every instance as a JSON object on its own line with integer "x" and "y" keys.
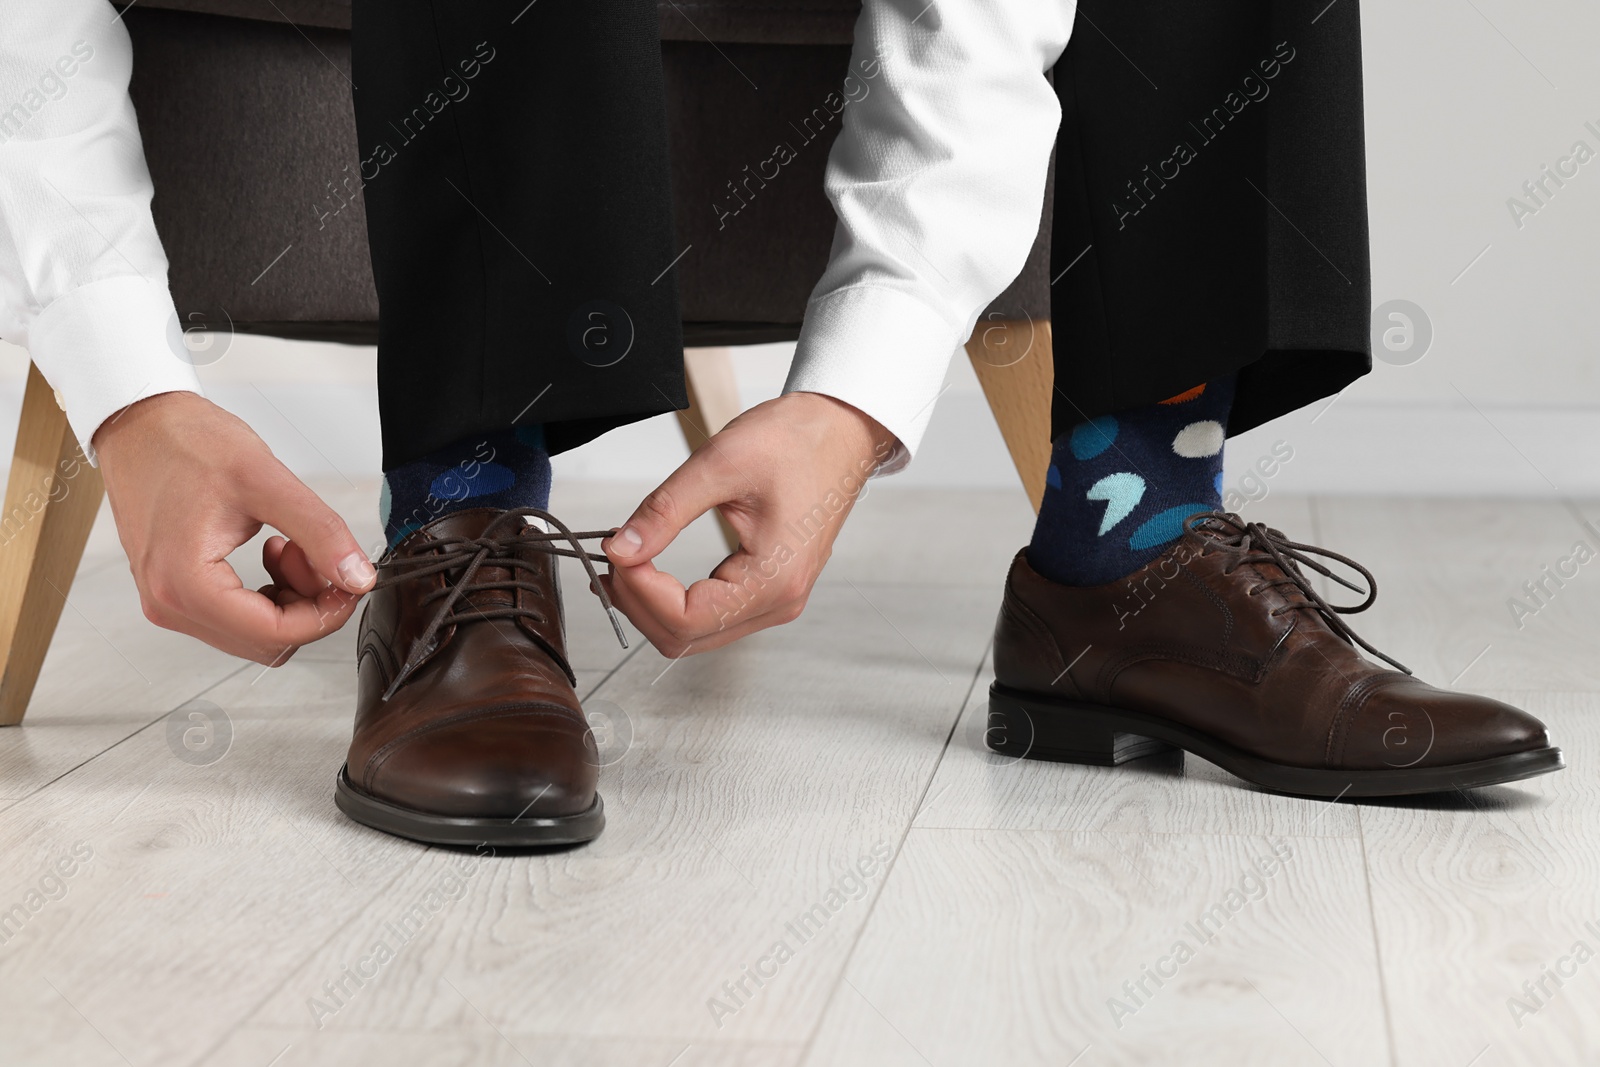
{"x": 250, "y": 139}
{"x": 250, "y": 136}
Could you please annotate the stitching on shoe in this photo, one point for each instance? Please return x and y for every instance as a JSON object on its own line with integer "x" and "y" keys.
{"x": 1350, "y": 709}
{"x": 1216, "y": 599}
{"x": 379, "y": 653}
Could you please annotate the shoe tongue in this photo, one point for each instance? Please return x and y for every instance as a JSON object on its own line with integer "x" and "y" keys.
{"x": 468, "y": 523}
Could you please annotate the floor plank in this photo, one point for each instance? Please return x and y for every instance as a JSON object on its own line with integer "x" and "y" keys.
{"x": 1014, "y": 946}
{"x": 108, "y": 673}
{"x": 487, "y": 1048}
{"x": 1448, "y": 571}
{"x": 205, "y": 884}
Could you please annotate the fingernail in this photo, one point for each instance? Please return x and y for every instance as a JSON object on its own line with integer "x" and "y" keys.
{"x": 627, "y": 542}
{"x": 355, "y": 570}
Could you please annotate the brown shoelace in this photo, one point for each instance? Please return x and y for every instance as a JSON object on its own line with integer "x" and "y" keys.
{"x": 1254, "y": 542}
{"x": 469, "y": 555}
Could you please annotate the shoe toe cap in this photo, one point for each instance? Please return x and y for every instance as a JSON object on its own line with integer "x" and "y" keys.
{"x": 506, "y": 766}
{"x": 1411, "y": 724}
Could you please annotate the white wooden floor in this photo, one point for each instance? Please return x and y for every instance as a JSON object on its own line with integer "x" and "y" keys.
{"x": 963, "y": 909}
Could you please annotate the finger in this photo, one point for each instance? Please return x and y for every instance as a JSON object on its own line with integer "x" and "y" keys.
{"x": 232, "y": 644}
{"x": 334, "y": 608}
{"x": 284, "y": 501}
{"x": 317, "y": 617}
{"x": 709, "y": 614}
{"x": 246, "y": 622}
{"x": 675, "y": 642}
{"x": 700, "y": 484}
{"x": 735, "y": 590}
{"x": 303, "y": 577}
{"x": 271, "y": 551}
{"x": 287, "y": 564}
{"x": 282, "y": 595}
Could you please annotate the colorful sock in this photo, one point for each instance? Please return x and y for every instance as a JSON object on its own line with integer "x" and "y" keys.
{"x": 504, "y": 469}
{"x": 1121, "y": 485}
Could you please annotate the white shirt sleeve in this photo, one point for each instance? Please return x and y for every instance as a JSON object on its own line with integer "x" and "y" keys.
{"x": 937, "y": 179}
{"x": 83, "y": 278}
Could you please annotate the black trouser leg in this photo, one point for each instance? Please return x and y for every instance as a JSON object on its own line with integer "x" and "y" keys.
{"x": 519, "y": 212}
{"x": 1210, "y": 211}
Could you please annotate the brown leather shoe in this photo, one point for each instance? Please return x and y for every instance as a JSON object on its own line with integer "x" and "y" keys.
{"x": 1223, "y": 647}
{"x": 468, "y": 729}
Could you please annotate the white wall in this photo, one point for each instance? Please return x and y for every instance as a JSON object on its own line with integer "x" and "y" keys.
{"x": 1459, "y": 117}
{"x": 1466, "y": 101}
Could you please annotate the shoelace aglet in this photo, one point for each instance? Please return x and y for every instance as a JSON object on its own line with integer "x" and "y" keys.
{"x": 616, "y": 624}
{"x": 400, "y": 677}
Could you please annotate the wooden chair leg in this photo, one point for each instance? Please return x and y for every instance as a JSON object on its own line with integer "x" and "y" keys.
{"x": 713, "y": 403}
{"x": 51, "y": 501}
{"x": 1014, "y": 361}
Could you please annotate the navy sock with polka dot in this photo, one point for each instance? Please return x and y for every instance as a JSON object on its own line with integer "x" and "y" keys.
{"x": 504, "y": 469}
{"x": 1120, "y": 486}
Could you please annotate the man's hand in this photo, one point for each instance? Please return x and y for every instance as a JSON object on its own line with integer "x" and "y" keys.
{"x": 188, "y": 484}
{"x": 784, "y": 474}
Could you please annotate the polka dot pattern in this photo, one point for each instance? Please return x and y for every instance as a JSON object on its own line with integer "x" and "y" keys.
{"x": 1089, "y": 439}
{"x": 1200, "y": 439}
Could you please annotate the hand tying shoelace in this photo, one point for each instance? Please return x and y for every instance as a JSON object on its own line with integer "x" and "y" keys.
{"x": 471, "y": 555}
{"x": 1254, "y": 542}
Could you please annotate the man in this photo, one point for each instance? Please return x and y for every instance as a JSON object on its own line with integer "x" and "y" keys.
{"x": 507, "y": 273}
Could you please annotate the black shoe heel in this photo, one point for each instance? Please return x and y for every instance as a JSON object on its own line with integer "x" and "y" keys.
{"x": 1062, "y": 732}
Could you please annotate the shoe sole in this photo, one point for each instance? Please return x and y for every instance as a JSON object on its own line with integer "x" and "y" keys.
{"x": 432, "y": 829}
{"x": 1030, "y": 726}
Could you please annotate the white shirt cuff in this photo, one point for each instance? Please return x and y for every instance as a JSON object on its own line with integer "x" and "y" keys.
{"x": 880, "y": 350}
{"x": 107, "y": 344}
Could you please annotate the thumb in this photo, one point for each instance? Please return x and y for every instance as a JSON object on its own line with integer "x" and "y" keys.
{"x": 288, "y": 504}
{"x": 689, "y": 492}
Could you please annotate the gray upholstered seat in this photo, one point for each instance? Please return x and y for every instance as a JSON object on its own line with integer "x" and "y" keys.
{"x": 250, "y": 135}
